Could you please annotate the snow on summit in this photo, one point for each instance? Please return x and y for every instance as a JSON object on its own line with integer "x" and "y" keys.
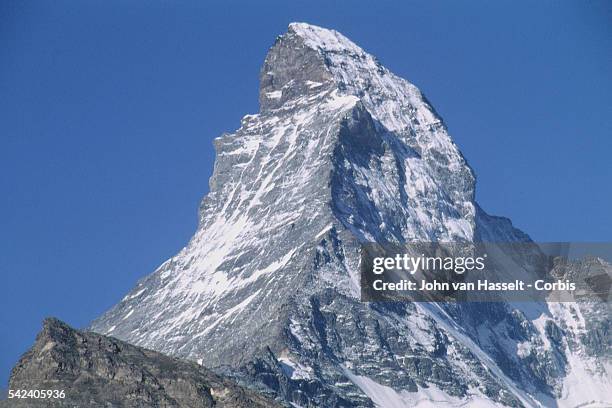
{"x": 324, "y": 39}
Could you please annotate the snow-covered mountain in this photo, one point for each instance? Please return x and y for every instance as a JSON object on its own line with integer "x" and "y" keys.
{"x": 344, "y": 152}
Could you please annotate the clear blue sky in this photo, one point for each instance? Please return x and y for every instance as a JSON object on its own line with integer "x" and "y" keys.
{"x": 108, "y": 110}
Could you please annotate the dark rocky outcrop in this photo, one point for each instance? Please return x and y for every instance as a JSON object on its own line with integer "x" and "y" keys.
{"x": 99, "y": 371}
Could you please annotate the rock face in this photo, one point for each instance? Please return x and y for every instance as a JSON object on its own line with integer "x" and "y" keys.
{"x": 99, "y": 371}
{"x": 344, "y": 152}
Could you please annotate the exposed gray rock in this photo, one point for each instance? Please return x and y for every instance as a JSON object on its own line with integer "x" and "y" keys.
{"x": 99, "y": 371}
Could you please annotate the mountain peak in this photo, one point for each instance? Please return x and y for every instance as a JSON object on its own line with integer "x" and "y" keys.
{"x": 310, "y": 63}
{"x": 309, "y": 60}
{"x": 342, "y": 152}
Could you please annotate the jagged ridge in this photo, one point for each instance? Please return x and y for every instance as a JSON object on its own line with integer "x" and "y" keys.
{"x": 99, "y": 371}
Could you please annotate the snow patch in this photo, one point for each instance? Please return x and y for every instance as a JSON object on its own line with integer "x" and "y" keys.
{"x": 294, "y": 369}
{"x": 431, "y": 397}
{"x": 274, "y": 94}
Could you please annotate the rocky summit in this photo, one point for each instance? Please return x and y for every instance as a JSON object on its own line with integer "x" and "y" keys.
{"x": 97, "y": 371}
{"x": 344, "y": 152}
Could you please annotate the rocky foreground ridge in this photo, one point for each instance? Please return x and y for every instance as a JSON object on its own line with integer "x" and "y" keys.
{"x": 98, "y": 371}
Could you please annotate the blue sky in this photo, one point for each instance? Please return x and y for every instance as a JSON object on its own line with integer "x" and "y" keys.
{"x": 108, "y": 110}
